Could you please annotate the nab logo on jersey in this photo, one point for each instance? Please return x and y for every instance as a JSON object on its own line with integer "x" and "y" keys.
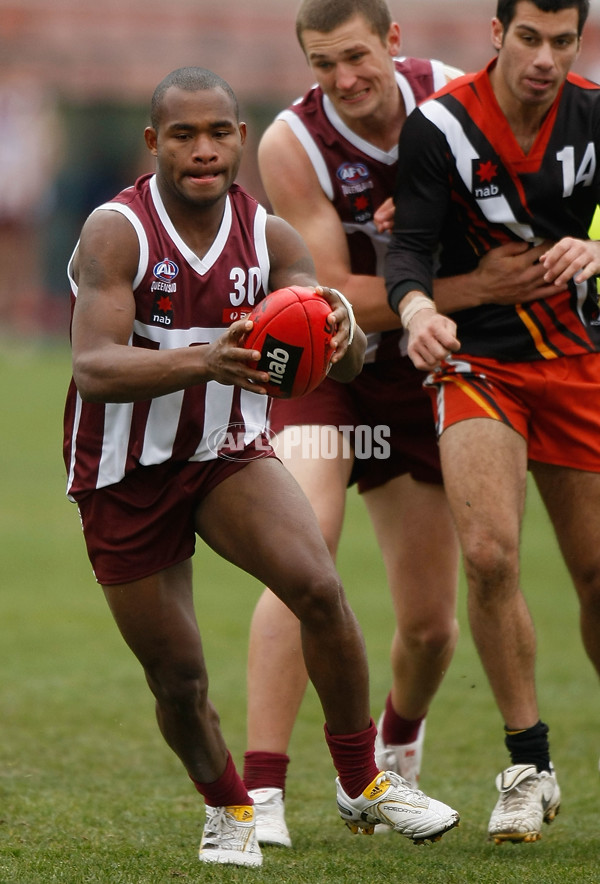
{"x": 166, "y": 270}
{"x": 162, "y": 309}
{"x": 483, "y": 183}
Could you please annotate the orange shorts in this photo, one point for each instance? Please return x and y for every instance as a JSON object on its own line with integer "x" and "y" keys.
{"x": 554, "y": 404}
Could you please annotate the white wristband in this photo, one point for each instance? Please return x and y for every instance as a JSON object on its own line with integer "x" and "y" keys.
{"x": 350, "y": 312}
{"x": 421, "y": 302}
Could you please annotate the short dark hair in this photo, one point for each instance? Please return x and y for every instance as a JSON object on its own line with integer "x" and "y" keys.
{"x": 505, "y": 11}
{"x": 325, "y": 15}
{"x": 190, "y": 79}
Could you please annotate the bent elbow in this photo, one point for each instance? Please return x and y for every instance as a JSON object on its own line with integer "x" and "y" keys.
{"x": 89, "y": 385}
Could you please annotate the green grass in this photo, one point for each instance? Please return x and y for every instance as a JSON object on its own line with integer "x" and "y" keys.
{"x": 88, "y": 790}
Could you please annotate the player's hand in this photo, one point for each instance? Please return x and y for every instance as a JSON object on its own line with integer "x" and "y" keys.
{"x": 228, "y": 362}
{"x": 383, "y": 218}
{"x": 431, "y": 339}
{"x": 513, "y": 274}
{"x": 570, "y": 258}
{"x": 341, "y": 321}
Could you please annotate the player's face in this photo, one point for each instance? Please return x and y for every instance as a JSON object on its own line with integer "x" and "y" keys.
{"x": 354, "y": 68}
{"x": 198, "y": 145}
{"x": 535, "y": 54}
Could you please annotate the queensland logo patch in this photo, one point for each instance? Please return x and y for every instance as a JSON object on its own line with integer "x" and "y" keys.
{"x": 166, "y": 270}
{"x": 163, "y": 287}
{"x": 356, "y": 185}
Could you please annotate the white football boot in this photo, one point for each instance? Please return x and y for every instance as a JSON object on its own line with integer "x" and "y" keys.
{"x": 229, "y": 836}
{"x": 269, "y": 817}
{"x": 389, "y": 800}
{"x": 527, "y": 799}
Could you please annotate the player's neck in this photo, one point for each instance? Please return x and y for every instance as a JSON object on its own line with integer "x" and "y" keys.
{"x": 382, "y": 129}
{"x": 196, "y": 225}
{"x": 524, "y": 120}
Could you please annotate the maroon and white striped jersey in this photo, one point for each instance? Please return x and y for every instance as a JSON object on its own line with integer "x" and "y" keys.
{"x": 181, "y": 301}
{"x": 356, "y": 175}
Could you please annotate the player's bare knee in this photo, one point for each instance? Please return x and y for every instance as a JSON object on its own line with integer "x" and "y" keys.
{"x": 491, "y": 563}
{"x": 428, "y": 638}
{"x": 320, "y": 602}
{"x": 182, "y": 687}
{"x": 586, "y": 576}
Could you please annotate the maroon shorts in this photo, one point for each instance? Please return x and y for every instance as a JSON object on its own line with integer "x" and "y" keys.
{"x": 385, "y": 402}
{"x": 145, "y": 522}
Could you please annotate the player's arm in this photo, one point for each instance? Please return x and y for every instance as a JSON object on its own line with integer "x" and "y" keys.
{"x": 508, "y": 274}
{"x": 295, "y": 194}
{"x": 105, "y": 367}
{"x": 292, "y": 264}
{"x": 421, "y": 202}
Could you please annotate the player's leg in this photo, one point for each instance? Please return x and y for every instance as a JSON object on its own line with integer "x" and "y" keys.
{"x": 157, "y": 620}
{"x": 572, "y": 499}
{"x": 485, "y": 471}
{"x": 263, "y": 506}
{"x": 276, "y": 538}
{"x": 277, "y": 676}
{"x": 276, "y": 673}
{"x": 418, "y": 542}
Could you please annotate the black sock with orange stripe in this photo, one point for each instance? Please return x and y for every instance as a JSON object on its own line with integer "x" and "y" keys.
{"x": 529, "y": 746}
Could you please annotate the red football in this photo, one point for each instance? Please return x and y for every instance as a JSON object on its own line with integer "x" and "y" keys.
{"x": 294, "y": 337}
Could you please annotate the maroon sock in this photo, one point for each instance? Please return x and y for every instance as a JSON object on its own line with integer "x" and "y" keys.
{"x": 227, "y": 790}
{"x": 354, "y": 758}
{"x": 265, "y": 770}
{"x": 396, "y": 730}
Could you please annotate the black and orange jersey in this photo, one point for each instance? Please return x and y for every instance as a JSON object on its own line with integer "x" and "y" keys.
{"x": 465, "y": 185}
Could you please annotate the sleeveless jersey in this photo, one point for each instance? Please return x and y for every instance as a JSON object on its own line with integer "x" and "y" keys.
{"x": 181, "y": 300}
{"x": 465, "y": 186}
{"x": 357, "y": 176}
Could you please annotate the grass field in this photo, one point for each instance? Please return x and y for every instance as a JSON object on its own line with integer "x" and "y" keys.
{"x": 88, "y": 790}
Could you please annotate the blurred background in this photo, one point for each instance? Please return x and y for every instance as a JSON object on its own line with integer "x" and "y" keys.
{"x": 76, "y": 77}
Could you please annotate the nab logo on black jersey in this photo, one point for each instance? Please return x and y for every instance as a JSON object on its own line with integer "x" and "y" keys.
{"x": 484, "y": 172}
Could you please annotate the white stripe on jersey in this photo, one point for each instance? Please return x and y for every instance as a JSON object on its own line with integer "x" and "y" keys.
{"x": 308, "y": 143}
{"x": 260, "y": 244}
{"x": 77, "y": 416}
{"x": 117, "y": 425}
{"x": 141, "y": 235}
{"x": 497, "y": 210}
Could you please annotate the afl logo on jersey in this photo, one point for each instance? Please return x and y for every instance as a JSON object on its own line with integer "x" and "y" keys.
{"x": 352, "y": 173}
{"x": 166, "y": 270}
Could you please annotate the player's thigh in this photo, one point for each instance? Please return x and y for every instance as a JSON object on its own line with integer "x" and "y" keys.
{"x": 260, "y": 520}
{"x": 484, "y": 464}
{"x": 572, "y": 499}
{"x": 320, "y": 459}
{"x": 417, "y": 538}
{"x": 156, "y": 615}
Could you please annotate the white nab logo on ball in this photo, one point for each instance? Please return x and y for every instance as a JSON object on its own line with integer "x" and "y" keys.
{"x": 278, "y": 364}
{"x": 280, "y": 360}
